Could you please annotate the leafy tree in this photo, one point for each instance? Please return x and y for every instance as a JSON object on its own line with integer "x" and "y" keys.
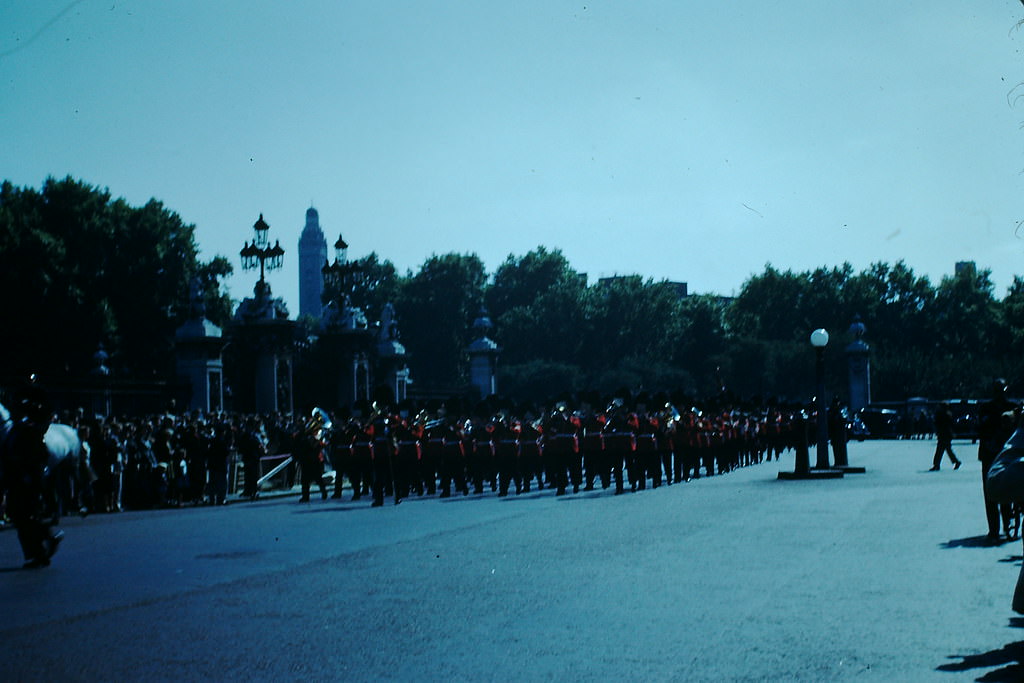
{"x": 369, "y": 284}
{"x": 1011, "y": 312}
{"x": 894, "y": 303}
{"x": 629, "y": 319}
{"x": 82, "y": 269}
{"x": 702, "y": 340}
{"x": 436, "y": 307}
{"x": 768, "y": 305}
{"x": 519, "y": 282}
{"x": 966, "y": 314}
{"x": 537, "y": 304}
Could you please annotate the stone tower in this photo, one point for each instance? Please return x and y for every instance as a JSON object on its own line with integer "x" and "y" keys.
{"x": 312, "y": 257}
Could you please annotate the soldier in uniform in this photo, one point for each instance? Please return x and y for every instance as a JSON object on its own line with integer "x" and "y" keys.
{"x": 339, "y": 448}
{"x": 476, "y": 444}
{"x": 443, "y": 435}
{"x": 385, "y": 477}
{"x": 619, "y": 441}
{"x": 23, "y": 470}
{"x": 408, "y": 455}
{"x": 561, "y": 443}
{"x": 505, "y": 445}
{"x": 308, "y": 451}
{"x": 595, "y": 461}
{"x": 531, "y": 463}
{"x": 359, "y": 433}
{"x": 646, "y": 456}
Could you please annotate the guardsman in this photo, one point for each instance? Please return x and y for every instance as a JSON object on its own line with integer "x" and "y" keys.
{"x": 619, "y": 441}
{"x": 308, "y": 451}
{"x": 359, "y": 433}
{"x": 561, "y": 444}
{"x": 477, "y": 446}
{"x": 443, "y": 433}
{"x": 408, "y": 455}
{"x": 666, "y": 428}
{"x": 595, "y": 460}
{"x": 340, "y": 449}
{"x": 430, "y": 458}
{"x": 531, "y": 463}
{"x": 385, "y": 478}
{"x": 646, "y": 448}
{"x": 505, "y": 444}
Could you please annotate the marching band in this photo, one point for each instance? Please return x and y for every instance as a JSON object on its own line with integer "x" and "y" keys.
{"x": 398, "y": 452}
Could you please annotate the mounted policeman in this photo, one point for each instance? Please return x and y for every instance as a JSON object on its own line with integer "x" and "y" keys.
{"x": 34, "y": 455}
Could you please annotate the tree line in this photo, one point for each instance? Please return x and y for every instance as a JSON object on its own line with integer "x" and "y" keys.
{"x": 80, "y": 269}
{"x": 557, "y": 332}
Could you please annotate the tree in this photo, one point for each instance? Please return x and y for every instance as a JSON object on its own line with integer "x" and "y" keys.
{"x": 702, "y": 341}
{"x": 521, "y": 281}
{"x": 629, "y": 319}
{"x": 82, "y": 270}
{"x": 536, "y": 302}
{"x": 369, "y": 284}
{"x": 966, "y": 319}
{"x": 436, "y": 307}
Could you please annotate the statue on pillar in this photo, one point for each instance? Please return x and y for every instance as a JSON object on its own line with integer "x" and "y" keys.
{"x": 859, "y": 365}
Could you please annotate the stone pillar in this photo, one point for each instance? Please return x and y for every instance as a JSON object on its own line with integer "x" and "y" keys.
{"x": 344, "y": 347}
{"x": 198, "y": 345}
{"x": 263, "y": 347}
{"x": 859, "y": 364}
{"x": 483, "y": 358}
{"x": 392, "y": 367}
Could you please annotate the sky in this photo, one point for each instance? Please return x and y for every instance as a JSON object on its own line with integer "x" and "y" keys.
{"x": 680, "y": 140}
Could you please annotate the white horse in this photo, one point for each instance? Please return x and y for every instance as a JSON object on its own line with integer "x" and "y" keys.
{"x": 62, "y": 465}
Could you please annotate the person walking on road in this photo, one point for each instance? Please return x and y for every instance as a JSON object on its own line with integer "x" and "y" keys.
{"x": 944, "y": 436}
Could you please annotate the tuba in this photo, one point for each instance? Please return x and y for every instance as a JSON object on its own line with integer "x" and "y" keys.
{"x": 319, "y": 424}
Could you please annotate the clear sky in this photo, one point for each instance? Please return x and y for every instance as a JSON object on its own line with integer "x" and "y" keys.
{"x": 677, "y": 139}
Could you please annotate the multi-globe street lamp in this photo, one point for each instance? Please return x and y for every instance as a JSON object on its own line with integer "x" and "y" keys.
{"x": 260, "y": 254}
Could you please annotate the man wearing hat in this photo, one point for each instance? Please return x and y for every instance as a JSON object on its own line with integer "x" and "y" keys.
{"x": 25, "y": 458}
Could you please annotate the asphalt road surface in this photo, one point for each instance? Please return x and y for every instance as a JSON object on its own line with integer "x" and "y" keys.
{"x": 882, "y": 576}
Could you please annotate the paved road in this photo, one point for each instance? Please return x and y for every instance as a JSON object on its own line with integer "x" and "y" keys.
{"x": 881, "y": 577}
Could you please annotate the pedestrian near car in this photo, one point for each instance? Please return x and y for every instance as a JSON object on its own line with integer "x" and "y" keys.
{"x": 944, "y": 438}
{"x": 995, "y": 425}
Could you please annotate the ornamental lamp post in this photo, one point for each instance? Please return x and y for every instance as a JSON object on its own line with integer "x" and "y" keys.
{"x": 260, "y": 254}
{"x": 343, "y": 275}
{"x": 819, "y": 340}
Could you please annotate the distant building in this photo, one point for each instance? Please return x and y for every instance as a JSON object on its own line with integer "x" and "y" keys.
{"x": 312, "y": 258}
{"x": 962, "y": 267}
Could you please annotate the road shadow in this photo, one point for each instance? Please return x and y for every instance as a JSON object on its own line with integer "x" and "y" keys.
{"x": 975, "y": 542}
{"x": 1010, "y": 659}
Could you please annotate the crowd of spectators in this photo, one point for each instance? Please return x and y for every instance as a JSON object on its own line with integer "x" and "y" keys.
{"x": 165, "y": 460}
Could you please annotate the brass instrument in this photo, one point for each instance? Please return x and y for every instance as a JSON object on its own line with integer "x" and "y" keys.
{"x": 319, "y": 424}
